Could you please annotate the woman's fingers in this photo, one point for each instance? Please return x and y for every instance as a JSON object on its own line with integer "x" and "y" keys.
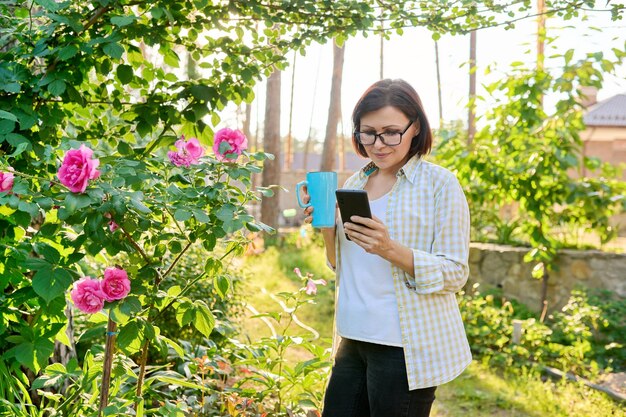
{"x": 308, "y": 214}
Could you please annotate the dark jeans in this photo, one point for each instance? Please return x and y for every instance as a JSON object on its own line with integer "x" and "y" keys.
{"x": 369, "y": 380}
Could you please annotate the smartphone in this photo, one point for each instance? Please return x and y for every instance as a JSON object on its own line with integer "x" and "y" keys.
{"x": 352, "y": 203}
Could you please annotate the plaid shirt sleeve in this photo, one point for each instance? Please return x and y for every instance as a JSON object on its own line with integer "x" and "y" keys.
{"x": 445, "y": 269}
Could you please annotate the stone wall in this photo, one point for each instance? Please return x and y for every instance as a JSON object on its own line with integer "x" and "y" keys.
{"x": 504, "y": 267}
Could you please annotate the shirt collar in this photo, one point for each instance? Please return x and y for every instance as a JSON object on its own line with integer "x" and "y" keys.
{"x": 409, "y": 170}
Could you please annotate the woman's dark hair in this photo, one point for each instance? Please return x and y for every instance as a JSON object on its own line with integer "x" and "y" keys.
{"x": 399, "y": 94}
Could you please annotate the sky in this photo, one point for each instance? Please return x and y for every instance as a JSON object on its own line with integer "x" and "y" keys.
{"x": 411, "y": 56}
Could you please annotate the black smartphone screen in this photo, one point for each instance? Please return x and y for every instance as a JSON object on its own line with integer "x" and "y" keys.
{"x": 352, "y": 203}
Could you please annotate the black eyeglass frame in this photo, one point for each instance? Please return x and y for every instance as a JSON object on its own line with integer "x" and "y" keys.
{"x": 379, "y": 136}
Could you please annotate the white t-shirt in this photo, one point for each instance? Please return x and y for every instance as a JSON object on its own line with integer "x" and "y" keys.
{"x": 367, "y": 309}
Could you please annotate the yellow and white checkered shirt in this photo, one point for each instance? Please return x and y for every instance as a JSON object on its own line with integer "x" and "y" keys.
{"x": 427, "y": 212}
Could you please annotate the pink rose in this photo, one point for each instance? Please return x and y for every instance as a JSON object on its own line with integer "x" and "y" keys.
{"x": 87, "y": 295}
{"x": 188, "y": 153}
{"x": 6, "y": 181}
{"x": 78, "y": 168}
{"x": 115, "y": 284}
{"x": 236, "y": 141}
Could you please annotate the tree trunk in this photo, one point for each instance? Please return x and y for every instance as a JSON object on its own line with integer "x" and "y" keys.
{"x": 439, "y": 85}
{"x": 541, "y": 36}
{"x": 544, "y": 295}
{"x": 382, "y": 49}
{"x": 471, "y": 118}
{"x": 334, "y": 111}
{"x": 270, "y": 206}
{"x": 246, "y": 122}
{"x": 289, "y": 148}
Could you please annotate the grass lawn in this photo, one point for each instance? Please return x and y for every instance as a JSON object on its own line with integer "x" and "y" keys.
{"x": 483, "y": 392}
{"x": 479, "y": 391}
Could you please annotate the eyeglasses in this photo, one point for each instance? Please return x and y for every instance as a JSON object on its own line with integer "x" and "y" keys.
{"x": 387, "y": 138}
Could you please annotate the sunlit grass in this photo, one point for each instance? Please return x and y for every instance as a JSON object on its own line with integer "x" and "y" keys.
{"x": 481, "y": 391}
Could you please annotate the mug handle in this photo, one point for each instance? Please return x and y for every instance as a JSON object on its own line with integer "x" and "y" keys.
{"x": 298, "y": 185}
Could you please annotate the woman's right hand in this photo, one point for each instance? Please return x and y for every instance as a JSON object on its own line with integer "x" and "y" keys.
{"x": 308, "y": 211}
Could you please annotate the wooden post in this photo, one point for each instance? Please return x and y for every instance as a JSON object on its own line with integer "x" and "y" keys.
{"x": 107, "y": 365}
{"x": 517, "y": 331}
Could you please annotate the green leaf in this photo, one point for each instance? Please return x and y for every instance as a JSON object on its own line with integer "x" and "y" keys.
{"x": 74, "y": 202}
{"x": 56, "y": 87}
{"x": 201, "y": 216}
{"x": 128, "y": 335}
{"x": 35, "y": 264}
{"x": 49, "y": 253}
{"x": 125, "y": 74}
{"x": 25, "y": 355}
{"x": 204, "y": 319}
{"x": 222, "y": 285}
{"x": 67, "y": 52}
{"x": 51, "y": 283}
{"x": 184, "y": 313}
{"x": 212, "y": 266}
{"x": 7, "y": 115}
{"x": 175, "y": 346}
{"x": 182, "y": 215}
{"x": 142, "y": 208}
{"x": 6, "y": 126}
{"x": 49, "y": 5}
{"x": 202, "y": 92}
{"x": 130, "y": 305}
{"x": 30, "y": 208}
{"x": 20, "y": 148}
{"x": 114, "y": 50}
{"x": 123, "y": 20}
{"x": 171, "y": 58}
{"x": 177, "y": 381}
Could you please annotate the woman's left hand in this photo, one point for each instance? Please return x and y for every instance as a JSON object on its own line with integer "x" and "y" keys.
{"x": 370, "y": 234}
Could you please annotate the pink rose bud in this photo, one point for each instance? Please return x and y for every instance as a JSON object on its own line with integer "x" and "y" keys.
{"x": 115, "y": 284}
{"x": 113, "y": 226}
{"x": 237, "y": 143}
{"x": 78, "y": 168}
{"x": 6, "y": 181}
{"x": 188, "y": 152}
{"x": 87, "y": 295}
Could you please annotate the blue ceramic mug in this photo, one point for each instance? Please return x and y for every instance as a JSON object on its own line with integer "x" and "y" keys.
{"x": 321, "y": 186}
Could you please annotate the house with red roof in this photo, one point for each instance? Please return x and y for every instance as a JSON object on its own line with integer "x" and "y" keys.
{"x": 605, "y": 135}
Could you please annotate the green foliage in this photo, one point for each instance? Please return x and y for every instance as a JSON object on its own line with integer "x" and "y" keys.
{"x": 524, "y": 158}
{"x": 577, "y": 339}
{"x": 291, "y": 387}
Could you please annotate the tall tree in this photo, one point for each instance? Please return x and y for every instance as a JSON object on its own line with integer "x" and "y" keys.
{"x": 439, "y": 100}
{"x": 541, "y": 35}
{"x": 270, "y": 205}
{"x": 334, "y": 110}
{"x": 289, "y": 145}
{"x": 471, "y": 116}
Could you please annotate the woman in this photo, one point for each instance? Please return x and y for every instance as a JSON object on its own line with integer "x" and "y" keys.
{"x": 397, "y": 316}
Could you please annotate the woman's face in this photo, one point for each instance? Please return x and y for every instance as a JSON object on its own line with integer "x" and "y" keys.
{"x": 388, "y": 119}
